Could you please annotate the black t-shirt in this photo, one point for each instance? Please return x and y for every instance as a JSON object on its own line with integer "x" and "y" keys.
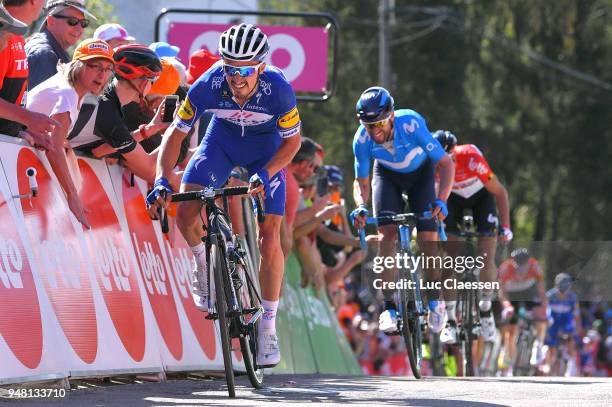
{"x": 101, "y": 121}
{"x": 134, "y": 116}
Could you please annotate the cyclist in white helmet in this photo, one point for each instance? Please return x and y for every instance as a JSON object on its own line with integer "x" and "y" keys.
{"x": 256, "y": 125}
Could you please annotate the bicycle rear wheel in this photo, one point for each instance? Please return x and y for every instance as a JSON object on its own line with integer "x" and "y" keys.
{"x": 467, "y": 322}
{"x": 524, "y": 345}
{"x": 222, "y": 284}
{"x": 250, "y": 302}
{"x": 437, "y": 354}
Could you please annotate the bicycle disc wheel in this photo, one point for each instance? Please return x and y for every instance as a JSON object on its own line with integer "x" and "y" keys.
{"x": 249, "y": 299}
{"x": 411, "y": 331}
{"x": 220, "y": 271}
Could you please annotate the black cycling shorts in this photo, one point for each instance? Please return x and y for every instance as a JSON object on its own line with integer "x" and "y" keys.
{"x": 388, "y": 185}
{"x": 484, "y": 211}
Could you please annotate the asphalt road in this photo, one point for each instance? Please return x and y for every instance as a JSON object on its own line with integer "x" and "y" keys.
{"x": 340, "y": 391}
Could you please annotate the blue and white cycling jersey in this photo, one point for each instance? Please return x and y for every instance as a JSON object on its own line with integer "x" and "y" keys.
{"x": 246, "y": 136}
{"x": 271, "y": 111}
{"x": 412, "y": 145}
{"x": 562, "y": 310}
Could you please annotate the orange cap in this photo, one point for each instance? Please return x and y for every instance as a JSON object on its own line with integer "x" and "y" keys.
{"x": 168, "y": 82}
{"x": 92, "y": 48}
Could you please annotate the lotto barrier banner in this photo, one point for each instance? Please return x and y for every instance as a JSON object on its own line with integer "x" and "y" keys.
{"x": 317, "y": 343}
{"x": 115, "y": 299}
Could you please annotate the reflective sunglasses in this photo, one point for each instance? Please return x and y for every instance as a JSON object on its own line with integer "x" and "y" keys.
{"x": 243, "y": 71}
{"x": 378, "y": 124}
{"x": 73, "y": 21}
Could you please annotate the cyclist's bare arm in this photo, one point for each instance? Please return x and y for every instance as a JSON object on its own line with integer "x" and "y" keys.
{"x": 501, "y": 197}
{"x": 446, "y": 168}
{"x": 361, "y": 191}
{"x": 285, "y": 153}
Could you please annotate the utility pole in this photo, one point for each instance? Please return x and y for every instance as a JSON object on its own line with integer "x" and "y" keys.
{"x": 385, "y": 8}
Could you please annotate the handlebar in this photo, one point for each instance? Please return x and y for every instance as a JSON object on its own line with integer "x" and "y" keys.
{"x": 210, "y": 194}
{"x": 409, "y": 219}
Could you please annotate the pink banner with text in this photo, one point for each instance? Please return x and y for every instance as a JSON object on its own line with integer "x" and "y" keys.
{"x": 301, "y": 52}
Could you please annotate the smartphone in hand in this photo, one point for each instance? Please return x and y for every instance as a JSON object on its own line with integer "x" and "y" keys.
{"x": 169, "y": 107}
{"x": 322, "y": 185}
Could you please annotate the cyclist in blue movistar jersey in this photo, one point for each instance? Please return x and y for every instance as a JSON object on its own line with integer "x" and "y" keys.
{"x": 405, "y": 156}
{"x": 256, "y": 125}
{"x": 565, "y": 313}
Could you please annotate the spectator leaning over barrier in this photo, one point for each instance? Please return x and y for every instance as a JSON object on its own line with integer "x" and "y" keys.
{"x": 136, "y": 114}
{"x": 13, "y": 79}
{"x": 101, "y": 129}
{"x": 63, "y": 27}
{"x": 60, "y": 97}
{"x": 114, "y": 34}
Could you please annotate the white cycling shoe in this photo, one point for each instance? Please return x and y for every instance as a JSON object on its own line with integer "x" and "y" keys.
{"x": 487, "y": 330}
{"x": 437, "y": 317}
{"x": 268, "y": 351}
{"x": 387, "y": 321}
{"x": 199, "y": 289}
{"x": 449, "y": 333}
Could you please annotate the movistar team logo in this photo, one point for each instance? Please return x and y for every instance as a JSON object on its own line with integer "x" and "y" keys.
{"x": 411, "y": 128}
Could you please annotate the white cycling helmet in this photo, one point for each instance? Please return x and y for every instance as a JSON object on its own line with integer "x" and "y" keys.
{"x": 243, "y": 42}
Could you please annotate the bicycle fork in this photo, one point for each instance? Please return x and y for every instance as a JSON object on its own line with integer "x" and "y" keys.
{"x": 404, "y": 232}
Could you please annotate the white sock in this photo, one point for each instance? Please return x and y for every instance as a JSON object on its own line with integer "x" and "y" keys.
{"x": 486, "y": 303}
{"x": 268, "y": 320}
{"x": 199, "y": 254}
{"x": 451, "y": 310}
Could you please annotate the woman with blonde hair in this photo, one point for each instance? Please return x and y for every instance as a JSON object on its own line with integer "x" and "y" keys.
{"x": 60, "y": 97}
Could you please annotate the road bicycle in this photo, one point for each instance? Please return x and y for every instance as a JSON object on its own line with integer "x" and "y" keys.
{"x": 236, "y": 303}
{"x": 411, "y": 320}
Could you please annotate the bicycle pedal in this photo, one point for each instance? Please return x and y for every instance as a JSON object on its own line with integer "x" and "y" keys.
{"x": 212, "y": 316}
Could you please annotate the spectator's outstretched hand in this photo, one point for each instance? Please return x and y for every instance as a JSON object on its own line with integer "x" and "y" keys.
{"x": 319, "y": 202}
{"x": 40, "y": 124}
{"x": 79, "y": 211}
{"x": 329, "y": 211}
{"x": 40, "y": 141}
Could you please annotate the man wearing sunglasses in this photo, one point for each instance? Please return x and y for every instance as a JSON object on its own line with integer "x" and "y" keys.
{"x": 405, "y": 156}
{"x": 256, "y": 125}
{"x": 63, "y": 27}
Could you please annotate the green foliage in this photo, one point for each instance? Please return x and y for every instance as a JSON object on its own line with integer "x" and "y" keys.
{"x": 527, "y": 81}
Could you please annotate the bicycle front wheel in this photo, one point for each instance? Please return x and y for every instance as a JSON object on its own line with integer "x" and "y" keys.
{"x": 222, "y": 285}
{"x": 411, "y": 331}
